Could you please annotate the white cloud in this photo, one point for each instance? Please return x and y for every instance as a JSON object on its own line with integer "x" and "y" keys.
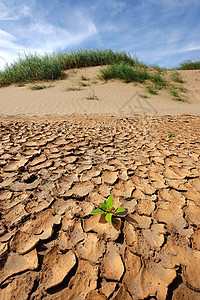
{"x": 52, "y": 38}
{"x": 41, "y": 36}
{"x": 117, "y": 7}
{"x": 12, "y": 11}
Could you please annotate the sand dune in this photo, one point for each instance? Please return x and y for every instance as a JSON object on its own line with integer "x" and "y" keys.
{"x": 113, "y": 97}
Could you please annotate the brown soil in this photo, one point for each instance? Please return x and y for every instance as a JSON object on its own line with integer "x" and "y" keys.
{"x": 55, "y": 171}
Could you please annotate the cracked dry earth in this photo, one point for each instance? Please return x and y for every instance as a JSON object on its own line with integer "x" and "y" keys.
{"x": 55, "y": 171}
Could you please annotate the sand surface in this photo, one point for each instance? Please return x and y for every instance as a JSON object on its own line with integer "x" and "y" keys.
{"x": 113, "y": 97}
{"x": 55, "y": 169}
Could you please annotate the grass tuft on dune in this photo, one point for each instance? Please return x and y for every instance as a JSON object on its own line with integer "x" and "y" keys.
{"x": 50, "y": 67}
{"x": 190, "y": 65}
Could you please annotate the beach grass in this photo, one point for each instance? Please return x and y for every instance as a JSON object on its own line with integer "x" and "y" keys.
{"x": 190, "y": 65}
{"x": 125, "y": 72}
{"x": 130, "y": 73}
{"x": 32, "y": 67}
{"x": 176, "y": 77}
{"x": 36, "y": 87}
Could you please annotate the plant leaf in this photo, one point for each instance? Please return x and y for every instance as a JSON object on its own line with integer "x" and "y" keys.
{"x": 103, "y": 206}
{"x": 97, "y": 211}
{"x": 119, "y": 209}
{"x": 109, "y": 217}
{"x": 110, "y": 201}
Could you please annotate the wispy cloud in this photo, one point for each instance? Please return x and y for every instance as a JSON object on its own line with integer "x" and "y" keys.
{"x": 33, "y": 32}
{"x": 158, "y": 32}
{"x": 14, "y": 10}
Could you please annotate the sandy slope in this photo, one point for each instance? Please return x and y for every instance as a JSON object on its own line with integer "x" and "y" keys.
{"x": 54, "y": 170}
{"x": 114, "y": 97}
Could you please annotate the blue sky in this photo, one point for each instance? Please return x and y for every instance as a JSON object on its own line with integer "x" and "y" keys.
{"x": 162, "y": 32}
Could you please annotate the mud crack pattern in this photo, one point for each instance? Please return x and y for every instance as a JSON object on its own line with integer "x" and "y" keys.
{"x": 54, "y": 171}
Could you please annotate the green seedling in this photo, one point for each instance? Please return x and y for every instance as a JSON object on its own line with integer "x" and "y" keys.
{"x": 108, "y": 209}
{"x": 170, "y": 134}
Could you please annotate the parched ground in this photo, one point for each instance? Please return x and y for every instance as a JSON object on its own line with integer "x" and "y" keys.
{"x": 55, "y": 171}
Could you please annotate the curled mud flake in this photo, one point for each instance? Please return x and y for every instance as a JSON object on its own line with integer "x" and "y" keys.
{"x": 16, "y": 263}
{"x": 155, "y": 235}
{"x": 23, "y": 242}
{"x": 87, "y": 175}
{"x": 86, "y": 165}
{"x": 55, "y": 267}
{"x": 6, "y": 237}
{"x": 84, "y": 281}
{"x": 91, "y": 248}
{"x": 104, "y": 190}
{"x": 6, "y": 182}
{"x": 176, "y": 184}
{"x": 124, "y": 175}
{"x": 195, "y": 183}
{"x": 196, "y": 239}
{"x": 5, "y": 195}
{"x": 145, "y": 207}
{"x": 94, "y": 295}
{"x": 15, "y": 165}
{"x": 122, "y": 294}
{"x": 191, "y": 272}
{"x": 155, "y": 280}
{"x": 138, "y": 194}
{"x": 98, "y": 224}
{"x": 2, "y": 229}
{"x": 97, "y": 180}
{"x": 194, "y": 196}
{"x": 157, "y": 180}
{"x": 60, "y": 206}
{"x": 112, "y": 267}
{"x": 192, "y": 213}
{"x": 172, "y": 215}
{"x": 128, "y": 188}
{"x": 108, "y": 287}
{"x": 3, "y": 249}
{"x": 70, "y": 159}
{"x": 34, "y": 206}
{"x": 129, "y": 205}
{"x": 133, "y": 266}
{"x": 35, "y": 143}
{"x": 141, "y": 221}
{"x": 14, "y": 215}
{"x": 82, "y": 190}
{"x": 147, "y": 188}
{"x": 130, "y": 234}
{"x": 172, "y": 196}
{"x": 171, "y": 174}
{"x": 110, "y": 177}
{"x": 68, "y": 239}
{"x": 65, "y": 183}
{"x": 137, "y": 180}
{"x": 96, "y": 198}
{"x": 86, "y": 208}
{"x": 38, "y": 228}
{"x": 45, "y": 165}
{"x": 160, "y": 160}
{"x": 22, "y": 186}
{"x": 72, "y": 210}
{"x": 19, "y": 288}
{"x": 38, "y": 160}
{"x": 183, "y": 172}
{"x": 183, "y": 292}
